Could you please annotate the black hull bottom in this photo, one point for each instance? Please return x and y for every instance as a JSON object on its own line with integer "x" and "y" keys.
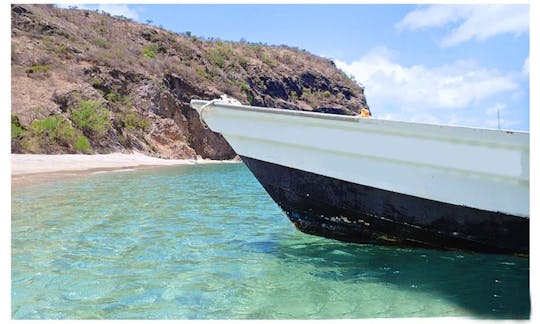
{"x": 350, "y": 212}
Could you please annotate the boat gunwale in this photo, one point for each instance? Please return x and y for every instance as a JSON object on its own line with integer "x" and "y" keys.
{"x": 393, "y": 127}
{"x": 346, "y": 118}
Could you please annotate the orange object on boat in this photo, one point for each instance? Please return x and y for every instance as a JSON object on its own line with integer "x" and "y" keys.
{"x": 364, "y": 113}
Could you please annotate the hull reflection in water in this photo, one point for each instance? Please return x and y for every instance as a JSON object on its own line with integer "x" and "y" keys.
{"x": 385, "y": 182}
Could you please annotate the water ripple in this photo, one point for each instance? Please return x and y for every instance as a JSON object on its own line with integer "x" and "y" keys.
{"x": 206, "y": 242}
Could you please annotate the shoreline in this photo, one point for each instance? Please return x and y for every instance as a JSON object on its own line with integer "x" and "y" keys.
{"x": 28, "y": 169}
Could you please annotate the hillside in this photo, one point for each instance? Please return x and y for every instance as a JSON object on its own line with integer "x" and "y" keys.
{"x": 88, "y": 82}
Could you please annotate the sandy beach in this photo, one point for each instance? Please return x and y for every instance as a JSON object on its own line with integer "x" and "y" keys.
{"x": 35, "y": 168}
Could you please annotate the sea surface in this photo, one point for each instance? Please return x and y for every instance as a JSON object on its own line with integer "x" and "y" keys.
{"x": 207, "y": 242}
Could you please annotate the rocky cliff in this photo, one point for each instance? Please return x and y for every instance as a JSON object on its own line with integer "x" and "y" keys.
{"x": 88, "y": 82}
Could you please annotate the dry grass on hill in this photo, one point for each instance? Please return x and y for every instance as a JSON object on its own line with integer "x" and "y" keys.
{"x": 138, "y": 79}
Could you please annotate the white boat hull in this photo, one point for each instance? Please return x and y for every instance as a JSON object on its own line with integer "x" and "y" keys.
{"x": 480, "y": 169}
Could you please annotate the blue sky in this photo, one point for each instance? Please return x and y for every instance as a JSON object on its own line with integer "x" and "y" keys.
{"x": 446, "y": 64}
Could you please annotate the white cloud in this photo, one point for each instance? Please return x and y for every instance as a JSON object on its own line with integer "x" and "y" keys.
{"x": 473, "y": 21}
{"x": 433, "y": 16}
{"x": 451, "y": 86}
{"x": 440, "y": 94}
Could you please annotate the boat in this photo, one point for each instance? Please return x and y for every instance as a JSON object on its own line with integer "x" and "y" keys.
{"x": 384, "y": 182}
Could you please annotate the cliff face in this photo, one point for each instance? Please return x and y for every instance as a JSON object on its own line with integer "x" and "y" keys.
{"x": 88, "y": 82}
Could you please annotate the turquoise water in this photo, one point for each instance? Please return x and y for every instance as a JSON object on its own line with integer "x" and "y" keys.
{"x": 207, "y": 242}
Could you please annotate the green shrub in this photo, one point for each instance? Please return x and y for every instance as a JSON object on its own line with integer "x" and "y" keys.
{"x": 55, "y": 128}
{"x": 250, "y": 98}
{"x": 213, "y": 73}
{"x": 122, "y": 140}
{"x": 245, "y": 86}
{"x": 243, "y": 62}
{"x": 96, "y": 82}
{"x": 131, "y": 121}
{"x": 201, "y": 72}
{"x": 287, "y": 59}
{"x": 31, "y": 144}
{"x": 42, "y": 69}
{"x": 293, "y": 95}
{"x": 117, "y": 98}
{"x": 65, "y": 132}
{"x": 161, "y": 49}
{"x": 125, "y": 100}
{"x": 45, "y": 126}
{"x": 91, "y": 117}
{"x": 217, "y": 56}
{"x": 82, "y": 145}
{"x": 17, "y": 130}
{"x": 61, "y": 49}
{"x": 315, "y": 98}
{"x": 102, "y": 43}
{"x": 268, "y": 60}
{"x": 150, "y": 51}
{"x": 306, "y": 92}
{"x": 48, "y": 42}
{"x": 112, "y": 96}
